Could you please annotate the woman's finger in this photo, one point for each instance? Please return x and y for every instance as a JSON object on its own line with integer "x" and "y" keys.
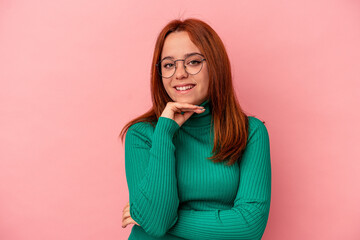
{"x": 126, "y": 214}
{"x": 189, "y": 109}
{"x": 173, "y": 111}
{"x": 128, "y": 220}
{"x": 184, "y": 106}
{"x": 126, "y": 209}
{"x": 126, "y": 217}
{"x": 180, "y": 109}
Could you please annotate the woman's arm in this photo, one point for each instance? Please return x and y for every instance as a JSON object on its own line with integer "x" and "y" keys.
{"x": 151, "y": 176}
{"x": 248, "y": 217}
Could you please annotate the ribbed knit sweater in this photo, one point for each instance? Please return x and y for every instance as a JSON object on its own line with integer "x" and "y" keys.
{"x": 176, "y": 193}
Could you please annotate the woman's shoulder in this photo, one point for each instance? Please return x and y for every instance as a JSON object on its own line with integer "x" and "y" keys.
{"x": 255, "y": 121}
{"x": 143, "y": 128}
{"x": 256, "y": 126}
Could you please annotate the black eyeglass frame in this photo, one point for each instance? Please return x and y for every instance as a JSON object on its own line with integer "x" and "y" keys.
{"x": 158, "y": 65}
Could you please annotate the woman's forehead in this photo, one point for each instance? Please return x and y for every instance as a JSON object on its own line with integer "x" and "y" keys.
{"x": 178, "y": 45}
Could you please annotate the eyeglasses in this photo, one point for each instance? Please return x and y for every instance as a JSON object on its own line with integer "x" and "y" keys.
{"x": 192, "y": 65}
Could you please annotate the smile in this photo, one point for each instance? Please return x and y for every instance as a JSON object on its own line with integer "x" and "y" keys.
{"x": 183, "y": 90}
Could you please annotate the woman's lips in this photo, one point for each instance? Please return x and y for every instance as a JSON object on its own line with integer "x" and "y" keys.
{"x": 185, "y": 91}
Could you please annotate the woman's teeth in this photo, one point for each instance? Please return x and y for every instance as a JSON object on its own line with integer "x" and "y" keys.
{"x": 184, "y": 88}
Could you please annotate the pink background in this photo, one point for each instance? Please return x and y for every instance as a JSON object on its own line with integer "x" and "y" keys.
{"x": 74, "y": 72}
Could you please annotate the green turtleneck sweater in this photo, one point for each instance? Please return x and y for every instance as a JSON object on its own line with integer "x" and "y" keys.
{"x": 176, "y": 193}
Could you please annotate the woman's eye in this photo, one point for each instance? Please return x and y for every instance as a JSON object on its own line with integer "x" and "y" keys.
{"x": 168, "y": 65}
{"x": 194, "y": 62}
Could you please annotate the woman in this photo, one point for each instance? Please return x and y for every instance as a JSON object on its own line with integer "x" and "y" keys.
{"x": 196, "y": 166}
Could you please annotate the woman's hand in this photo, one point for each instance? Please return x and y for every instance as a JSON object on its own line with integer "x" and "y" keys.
{"x": 126, "y": 218}
{"x": 173, "y": 111}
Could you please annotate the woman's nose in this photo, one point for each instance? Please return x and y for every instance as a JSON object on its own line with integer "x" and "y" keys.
{"x": 180, "y": 71}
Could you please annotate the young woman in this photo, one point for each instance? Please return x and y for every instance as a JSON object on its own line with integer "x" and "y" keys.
{"x": 197, "y": 166}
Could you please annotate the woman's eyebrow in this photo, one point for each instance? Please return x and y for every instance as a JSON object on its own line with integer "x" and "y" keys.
{"x": 185, "y": 56}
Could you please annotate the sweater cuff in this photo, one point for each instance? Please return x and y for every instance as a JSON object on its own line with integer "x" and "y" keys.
{"x": 167, "y": 125}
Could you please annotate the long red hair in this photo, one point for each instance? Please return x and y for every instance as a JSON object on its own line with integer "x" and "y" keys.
{"x": 229, "y": 121}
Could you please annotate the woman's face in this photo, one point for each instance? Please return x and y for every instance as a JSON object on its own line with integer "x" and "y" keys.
{"x": 176, "y": 46}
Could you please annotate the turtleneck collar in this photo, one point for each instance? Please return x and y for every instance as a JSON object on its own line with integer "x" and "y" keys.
{"x": 200, "y": 119}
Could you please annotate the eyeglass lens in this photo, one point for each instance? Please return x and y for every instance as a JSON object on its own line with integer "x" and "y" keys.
{"x": 192, "y": 64}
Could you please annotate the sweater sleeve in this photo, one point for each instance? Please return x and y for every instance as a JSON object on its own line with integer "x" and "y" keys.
{"x": 248, "y": 217}
{"x": 151, "y": 176}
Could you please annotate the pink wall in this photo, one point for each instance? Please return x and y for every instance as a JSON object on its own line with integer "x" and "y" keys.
{"x": 74, "y": 72}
